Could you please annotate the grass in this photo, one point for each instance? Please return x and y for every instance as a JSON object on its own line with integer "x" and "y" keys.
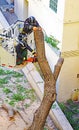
{"x": 3, "y": 80}
{"x": 6, "y": 90}
{"x": 45, "y": 129}
{"x": 16, "y": 74}
{"x": 20, "y": 95}
{"x": 71, "y": 111}
{"x": 4, "y": 71}
{"x": 17, "y": 91}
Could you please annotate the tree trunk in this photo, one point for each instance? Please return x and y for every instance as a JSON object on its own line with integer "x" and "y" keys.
{"x": 49, "y": 85}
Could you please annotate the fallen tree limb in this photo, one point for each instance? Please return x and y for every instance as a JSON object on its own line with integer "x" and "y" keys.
{"x": 12, "y": 112}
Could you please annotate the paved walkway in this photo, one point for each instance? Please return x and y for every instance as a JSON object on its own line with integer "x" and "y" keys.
{"x": 5, "y": 9}
{"x": 3, "y": 2}
{"x": 3, "y": 21}
{"x": 10, "y": 17}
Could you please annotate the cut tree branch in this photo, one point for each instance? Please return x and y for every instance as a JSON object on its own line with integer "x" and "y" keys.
{"x": 49, "y": 82}
{"x": 57, "y": 68}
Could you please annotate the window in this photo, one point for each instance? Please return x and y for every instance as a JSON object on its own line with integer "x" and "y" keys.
{"x": 53, "y": 5}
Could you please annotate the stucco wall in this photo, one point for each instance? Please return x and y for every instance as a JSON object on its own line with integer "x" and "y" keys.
{"x": 70, "y": 36}
{"x": 71, "y": 26}
{"x": 68, "y": 80}
{"x": 70, "y": 51}
{"x": 71, "y": 11}
{"x": 21, "y": 9}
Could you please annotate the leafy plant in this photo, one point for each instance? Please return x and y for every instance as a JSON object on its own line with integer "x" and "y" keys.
{"x": 71, "y": 111}
{"x": 12, "y": 102}
{"x": 30, "y": 94}
{"x": 6, "y": 90}
{"x": 18, "y": 97}
{"x": 1, "y": 71}
{"x": 51, "y": 40}
{"x": 45, "y": 128}
{"x": 13, "y": 93}
{"x": 4, "y": 71}
{"x": 18, "y": 80}
{"x": 17, "y": 74}
{"x": 23, "y": 93}
{"x": 20, "y": 88}
{"x": 1, "y": 85}
{"x": 27, "y": 105}
{"x": 4, "y": 80}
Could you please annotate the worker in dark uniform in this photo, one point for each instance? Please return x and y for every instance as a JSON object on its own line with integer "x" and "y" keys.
{"x": 21, "y": 49}
{"x": 29, "y": 23}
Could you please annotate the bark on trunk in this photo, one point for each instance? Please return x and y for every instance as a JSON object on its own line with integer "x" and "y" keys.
{"x": 49, "y": 85}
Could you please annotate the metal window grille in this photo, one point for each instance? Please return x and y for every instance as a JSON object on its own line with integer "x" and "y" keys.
{"x": 53, "y": 5}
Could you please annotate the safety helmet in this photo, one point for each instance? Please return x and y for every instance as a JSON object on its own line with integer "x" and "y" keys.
{"x": 31, "y": 19}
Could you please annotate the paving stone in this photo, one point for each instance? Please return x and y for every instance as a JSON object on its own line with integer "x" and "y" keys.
{"x": 6, "y": 8}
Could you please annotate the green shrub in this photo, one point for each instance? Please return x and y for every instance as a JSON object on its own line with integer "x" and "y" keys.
{"x": 71, "y": 111}
{"x": 6, "y": 90}
{"x": 51, "y": 40}
{"x": 4, "y": 80}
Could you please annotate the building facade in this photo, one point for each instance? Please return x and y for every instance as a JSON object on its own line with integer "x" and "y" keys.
{"x": 21, "y": 9}
{"x": 58, "y": 18}
{"x": 51, "y": 21}
{"x": 69, "y": 76}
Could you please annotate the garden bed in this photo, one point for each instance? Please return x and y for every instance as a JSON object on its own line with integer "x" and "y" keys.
{"x": 14, "y": 87}
{"x": 16, "y": 91}
{"x": 71, "y": 111}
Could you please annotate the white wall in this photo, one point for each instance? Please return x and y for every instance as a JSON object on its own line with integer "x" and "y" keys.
{"x": 21, "y": 9}
{"x": 68, "y": 79}
{"x": 48, "y": 19}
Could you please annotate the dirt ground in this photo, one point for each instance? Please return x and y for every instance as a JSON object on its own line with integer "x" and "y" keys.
{"x": 22, "y": 119}
{"x": 13, "y": 90}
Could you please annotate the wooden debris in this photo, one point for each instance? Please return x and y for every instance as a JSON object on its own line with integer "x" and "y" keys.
{"x": 12, "y": 112}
